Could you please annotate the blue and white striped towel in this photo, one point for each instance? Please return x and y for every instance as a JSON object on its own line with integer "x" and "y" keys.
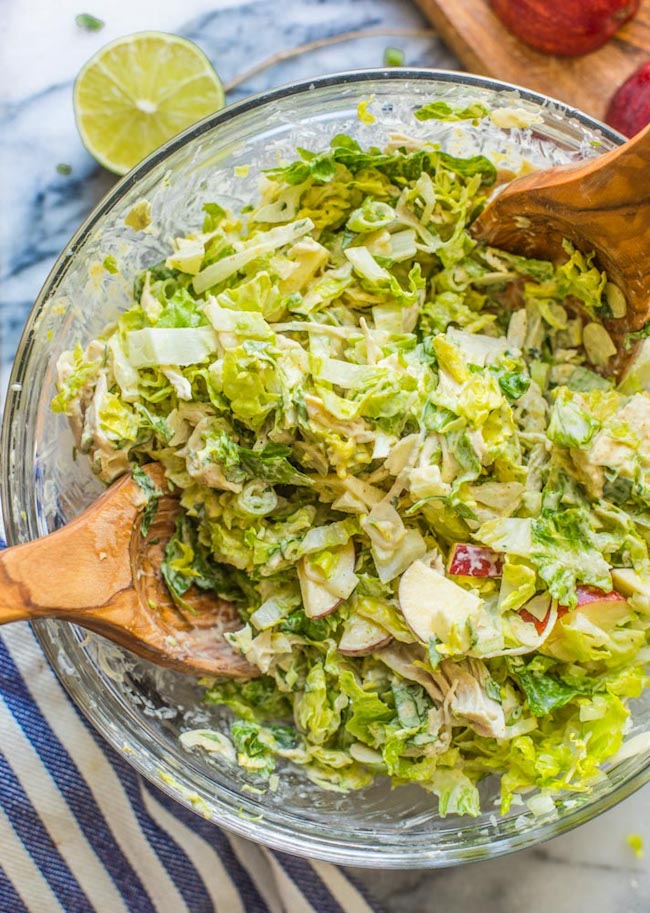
{"x": 81, "y": 832}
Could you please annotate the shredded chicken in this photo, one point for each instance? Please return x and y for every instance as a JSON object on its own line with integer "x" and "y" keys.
{"x": 401, "y": 659}
{"x": 181, "y": 384}
{"x": 465, "y": 697}
{"x": 94, "y": 354}
{"x": 108, "y": 460}
{"x": 198, "y": 463}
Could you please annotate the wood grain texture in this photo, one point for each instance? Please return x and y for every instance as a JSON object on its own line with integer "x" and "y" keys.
{"x": 485, "y": 46}
{"x": 602, "y": 205}
{"x": 100, "y": 572}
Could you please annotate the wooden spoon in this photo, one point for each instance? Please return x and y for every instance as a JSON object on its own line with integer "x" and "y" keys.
{"x": 602, "y": 205}
{"x": 101, "y": 573}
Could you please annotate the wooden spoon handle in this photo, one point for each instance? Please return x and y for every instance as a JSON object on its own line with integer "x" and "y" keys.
{"x": 80, "y": 569}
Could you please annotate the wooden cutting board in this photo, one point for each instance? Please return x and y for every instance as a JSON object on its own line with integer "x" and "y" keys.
{"x": 483, "y": 45}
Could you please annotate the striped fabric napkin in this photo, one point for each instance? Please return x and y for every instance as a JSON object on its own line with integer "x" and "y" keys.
{"x": 81, "y": 832}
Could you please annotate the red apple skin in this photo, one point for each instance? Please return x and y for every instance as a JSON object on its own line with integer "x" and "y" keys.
{"x": 586, "y": 595}
{"x": 565, "y": 27}
{"x": 474, "y": 561}
{"x": 629, "y": 108}
{"x": 540, "y": 624}
{"x": 332, "y": 608}
{"x": 367, "y": 648}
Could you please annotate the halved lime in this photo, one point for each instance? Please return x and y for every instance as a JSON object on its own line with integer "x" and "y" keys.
{"x": 137, "y": 92}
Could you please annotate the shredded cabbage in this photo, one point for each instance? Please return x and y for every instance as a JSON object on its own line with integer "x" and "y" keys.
{"x": 360, "y": 406}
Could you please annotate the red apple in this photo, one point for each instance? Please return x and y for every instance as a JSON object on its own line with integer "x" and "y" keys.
{"x": 540, "y": 623}
{"x": 474, "y": 561}
{"x": 588, "y": 595}
{"x": 432, "y": 604}
{"x": 629, "y": 108}
{"x": 604, "y": 609}
{"x": 316, "y": 600}
{"x": 629, "y": 583}
{"x": 362, "y": 636}
{"x": 322, "y": 595}
{"x": 565, "y": 27}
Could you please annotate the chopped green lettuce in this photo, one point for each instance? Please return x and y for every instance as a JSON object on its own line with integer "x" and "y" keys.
{"x": 565, "y": 552}
{"x": 366, "y": 711}
{"x": 441, "y": 110}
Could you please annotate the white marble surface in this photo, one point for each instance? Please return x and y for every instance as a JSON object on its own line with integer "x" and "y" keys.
{"x": 591, "y": 869}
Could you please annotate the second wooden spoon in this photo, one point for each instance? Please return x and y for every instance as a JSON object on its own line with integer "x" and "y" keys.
{"x": 99, "y": 572}
{"x": 601, "y": 205}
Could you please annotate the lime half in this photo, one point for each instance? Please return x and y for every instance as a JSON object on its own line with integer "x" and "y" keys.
{"x": 137, "y": 92}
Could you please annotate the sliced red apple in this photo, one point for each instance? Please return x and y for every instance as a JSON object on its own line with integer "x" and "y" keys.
{"x": 540, "y": 623}
{"x": 390, "y": 564}
{"x": 432, "y": 604}
{"x": 590, "y": 594}
{"x": 467, "y": 560}
{"x": 321, "y": 594}
{"x": 531, "y": 615}
{"x": 316, "y": 600}
{"x": 629, "y": 583}
{"x": 365, "y": 755}
{"x": 362, "y": 636}
{"x": 342, "y": 580}
{"x": 603, "y": 609}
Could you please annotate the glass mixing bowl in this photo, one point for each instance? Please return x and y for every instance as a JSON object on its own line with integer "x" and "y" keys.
{"x": 141, "y": 710}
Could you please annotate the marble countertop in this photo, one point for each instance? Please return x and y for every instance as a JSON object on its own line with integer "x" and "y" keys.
{"x": 591, "y": 868}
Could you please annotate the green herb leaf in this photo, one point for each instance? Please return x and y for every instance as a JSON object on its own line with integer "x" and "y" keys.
{"x": 214, "y": 215}
{"x": 617, "y": 489}
{"x": 187, "y": 561}
{"x": 153, "y": 493}
{"x": 256, "y": 701}
{"x": 643, "y": 333}
{"x": 514, "y": 383}
{"x": 316, "y": 629}
{"x": 543, "y": 692}
{"x": 571, "y": 425}
{"x": 393, "y": 57}
{"x": 493, "y": 690}
{"x": 582, "y": 380}
{"x": 253, "y": 753}
{"x": 110, "y": 264}
{"x": 433, "y": 654}
{"x": 63, "y": 168}
{"x": 270, "y": 464}
{"x": 156, "y": 422}
{"x": 89, "y": 23}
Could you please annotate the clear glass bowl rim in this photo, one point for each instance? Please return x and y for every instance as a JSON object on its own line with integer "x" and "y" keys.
{"x": 282, "y": 837}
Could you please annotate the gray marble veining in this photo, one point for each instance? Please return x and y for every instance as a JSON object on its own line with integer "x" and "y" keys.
{"x": 591, "y": 869}
{"x": 38, "y": 130}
